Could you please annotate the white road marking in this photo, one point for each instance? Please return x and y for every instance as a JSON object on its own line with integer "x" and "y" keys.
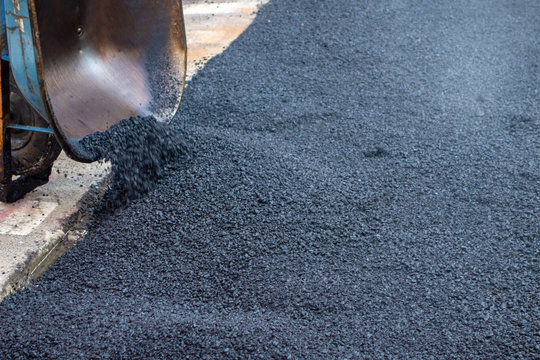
{"x": 24, "y": 219}
{"x": 219, "y": 8}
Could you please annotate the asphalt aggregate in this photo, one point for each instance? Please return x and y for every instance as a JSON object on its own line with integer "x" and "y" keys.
{"x": 140, "y": 150}
{"x": 363, "y": 183}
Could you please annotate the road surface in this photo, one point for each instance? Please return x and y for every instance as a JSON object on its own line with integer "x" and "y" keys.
{"x": 364, "y": 183}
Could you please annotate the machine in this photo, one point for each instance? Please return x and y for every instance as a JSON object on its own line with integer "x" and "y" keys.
{"x": 71, "y": 68}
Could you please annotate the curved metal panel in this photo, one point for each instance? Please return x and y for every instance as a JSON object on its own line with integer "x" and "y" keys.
{"x": 104, "y": 61}
{"x": 85, "y": 65}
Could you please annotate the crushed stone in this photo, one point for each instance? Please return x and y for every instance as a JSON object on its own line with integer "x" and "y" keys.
{"x": 364, "y": 185}
{"x": 140, "y": 150}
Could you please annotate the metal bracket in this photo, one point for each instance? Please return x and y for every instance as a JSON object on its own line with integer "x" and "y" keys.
{"x": 30, "y": 128}
{"x": 12, "y": 190}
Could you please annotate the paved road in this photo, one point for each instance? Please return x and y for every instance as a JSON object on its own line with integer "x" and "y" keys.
{"x": 364, "y": 183}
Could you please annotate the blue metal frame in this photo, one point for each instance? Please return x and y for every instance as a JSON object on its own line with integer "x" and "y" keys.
{"x": 23, "y": 49}
{"x": 30, "y": 128}
{"x": 29, "y": 85}
{"x": 5, "y": 52}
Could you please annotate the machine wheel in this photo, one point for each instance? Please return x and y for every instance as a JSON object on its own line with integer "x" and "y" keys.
{"x": 32, "y": 153}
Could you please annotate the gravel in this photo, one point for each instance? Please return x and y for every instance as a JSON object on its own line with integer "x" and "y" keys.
{"x": 363, "y": 183}
{"x": 140, "y": 149}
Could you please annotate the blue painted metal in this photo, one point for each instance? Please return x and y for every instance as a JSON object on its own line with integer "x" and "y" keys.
{"x": 5, "y": 56}
{"x": 30, "y": 128}
{"x": 5, "y": 53}
{"x": 22, "y": 48}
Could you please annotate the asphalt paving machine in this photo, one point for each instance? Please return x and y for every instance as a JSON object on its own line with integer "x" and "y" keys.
{"x": 71, "y": 68}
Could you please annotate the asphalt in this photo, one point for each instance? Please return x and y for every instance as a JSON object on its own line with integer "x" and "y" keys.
{"x": 140, "y": 150}
{"x": 363, "y": 182}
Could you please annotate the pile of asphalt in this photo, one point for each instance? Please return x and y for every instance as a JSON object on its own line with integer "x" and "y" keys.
{"x": 364, "y": 184}
{"x": 140, "y": 150}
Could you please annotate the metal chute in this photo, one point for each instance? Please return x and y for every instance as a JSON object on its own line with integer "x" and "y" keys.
{"x": 85, "y": 65}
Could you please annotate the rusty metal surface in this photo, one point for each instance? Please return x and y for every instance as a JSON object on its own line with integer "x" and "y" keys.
{"x": 104, "y": 61}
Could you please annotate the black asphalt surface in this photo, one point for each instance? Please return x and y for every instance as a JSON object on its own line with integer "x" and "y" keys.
{"x": 141, "y": 150}
{"x": 363, "y": 183}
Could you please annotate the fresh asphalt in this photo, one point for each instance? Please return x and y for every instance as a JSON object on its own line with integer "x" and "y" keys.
{"x": 363, "y": 182}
